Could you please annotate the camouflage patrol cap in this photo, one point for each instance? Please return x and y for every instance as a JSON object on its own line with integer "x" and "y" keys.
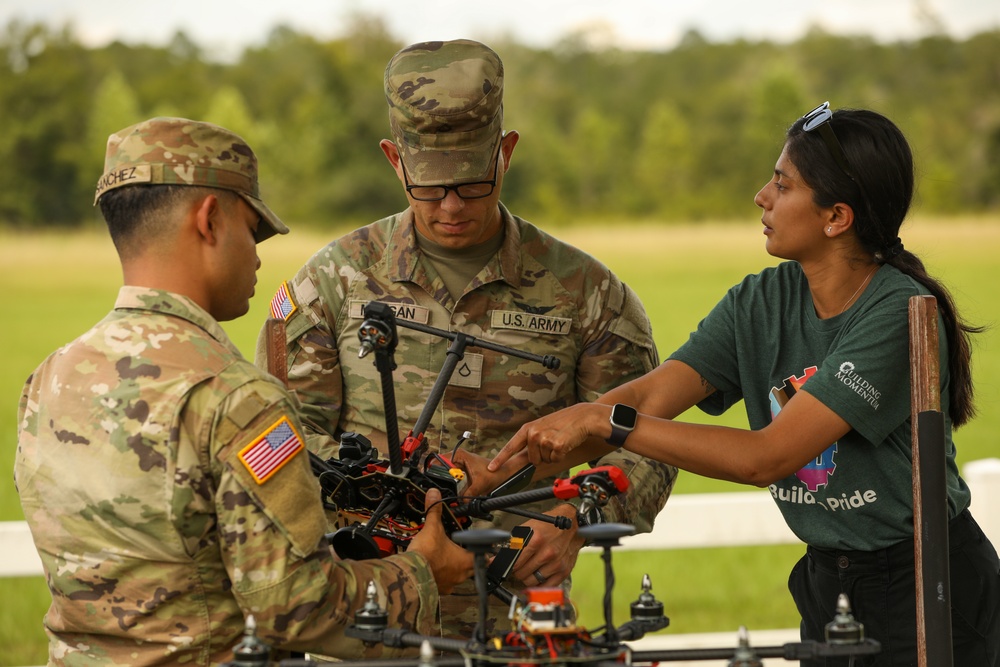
{"x": 446, "y": 110}
{"x": 178, "y": 151}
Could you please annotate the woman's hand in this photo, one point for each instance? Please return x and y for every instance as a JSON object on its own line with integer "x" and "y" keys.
{"x": 550, "y": 439}
{"x": 483, "y": 480}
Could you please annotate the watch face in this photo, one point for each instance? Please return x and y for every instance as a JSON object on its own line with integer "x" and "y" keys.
{"x": 624, "y": 416}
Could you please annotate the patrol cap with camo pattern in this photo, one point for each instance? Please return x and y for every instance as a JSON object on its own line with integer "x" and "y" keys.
{"x": 446, "y": 110}
{"x": 178, "y": 151}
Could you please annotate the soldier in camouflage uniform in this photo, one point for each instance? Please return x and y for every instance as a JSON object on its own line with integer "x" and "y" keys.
{"x": 164, "y": 477}
{"x": 458, "y": 260}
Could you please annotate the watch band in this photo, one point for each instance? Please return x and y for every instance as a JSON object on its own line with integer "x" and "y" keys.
{"x": 618, "y": 435}
{"x": 623, "y": 418}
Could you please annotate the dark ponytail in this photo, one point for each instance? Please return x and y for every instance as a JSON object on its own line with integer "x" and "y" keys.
{"x": 879, "y": 190}
{"x": 959, "y": 335}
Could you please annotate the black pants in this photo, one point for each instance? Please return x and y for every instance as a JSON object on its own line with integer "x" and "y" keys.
{"x": 882, "y": 591}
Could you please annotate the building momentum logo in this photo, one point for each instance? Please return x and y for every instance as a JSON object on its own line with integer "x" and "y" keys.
{"x": 858, "y": 384}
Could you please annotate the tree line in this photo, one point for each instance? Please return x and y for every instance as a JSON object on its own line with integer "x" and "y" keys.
{"x": 688, "y": 133}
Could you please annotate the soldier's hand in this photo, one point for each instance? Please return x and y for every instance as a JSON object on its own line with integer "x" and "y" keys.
{"x": 551, "y": 554}
{"x": 450, "y": 563}
{"x": 482, "y": 480}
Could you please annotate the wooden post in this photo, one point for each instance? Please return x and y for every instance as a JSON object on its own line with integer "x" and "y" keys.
{"x": 930, "y": 493}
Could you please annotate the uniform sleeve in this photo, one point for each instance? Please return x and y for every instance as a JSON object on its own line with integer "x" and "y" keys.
{"x": 312, "y": 359}
{"x": 624, "y": 351}
{"x": 271, "y": 530}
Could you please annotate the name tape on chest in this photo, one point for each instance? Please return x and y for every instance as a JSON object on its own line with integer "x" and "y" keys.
{"x": 404, "y": 311}
{"x": 522, "y": 321}
{"x": 271, "y": 450}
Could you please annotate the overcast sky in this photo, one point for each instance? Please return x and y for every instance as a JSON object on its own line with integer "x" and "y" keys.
{"x": 224, "y": 27}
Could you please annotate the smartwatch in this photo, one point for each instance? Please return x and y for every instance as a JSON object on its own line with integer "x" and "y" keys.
{"x": 623, "y": 419}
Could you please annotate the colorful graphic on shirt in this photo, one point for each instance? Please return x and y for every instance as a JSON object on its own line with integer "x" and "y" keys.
{"x": 816, "y": 473}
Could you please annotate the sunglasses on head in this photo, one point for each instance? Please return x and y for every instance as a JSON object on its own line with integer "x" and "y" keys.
{"x": 819, "y": 119}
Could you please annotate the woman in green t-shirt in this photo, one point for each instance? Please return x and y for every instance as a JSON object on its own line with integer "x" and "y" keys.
{"x": 817, "y": 349}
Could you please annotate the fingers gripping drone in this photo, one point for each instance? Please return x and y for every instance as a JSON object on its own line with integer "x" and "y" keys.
{"x": 379, "y": 503}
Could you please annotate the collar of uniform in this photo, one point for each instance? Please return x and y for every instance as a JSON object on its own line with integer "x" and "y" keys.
{"x": 404, "y": 252}
{"x": 170, "y": 303}
{"x": 510, "y": 251}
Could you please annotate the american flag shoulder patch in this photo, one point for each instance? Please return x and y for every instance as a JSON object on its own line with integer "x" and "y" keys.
{"x": 283, "y": 305}
{"x": 270, "y": 450}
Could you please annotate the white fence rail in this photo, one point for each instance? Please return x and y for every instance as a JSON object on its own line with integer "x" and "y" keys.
{"x": 687, "y": 521}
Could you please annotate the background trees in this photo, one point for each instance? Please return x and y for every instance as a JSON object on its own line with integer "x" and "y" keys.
{"x": 685, "y": 134}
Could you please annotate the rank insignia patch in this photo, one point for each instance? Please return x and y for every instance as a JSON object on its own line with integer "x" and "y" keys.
{"x": 271, "y": 449}
{"x": 282, "y": 305}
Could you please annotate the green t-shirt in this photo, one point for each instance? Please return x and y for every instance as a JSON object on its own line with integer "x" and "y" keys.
{"x": 763, "y": 342}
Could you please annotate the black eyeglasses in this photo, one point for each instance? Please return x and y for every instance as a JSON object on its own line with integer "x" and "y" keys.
{"x": 476, "y": 190}
{"x": 819, "y": 119}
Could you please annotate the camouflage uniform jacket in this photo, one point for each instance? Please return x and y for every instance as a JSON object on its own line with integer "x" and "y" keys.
{"x": 537, "y": 294}
{"x": 155, "y": 535}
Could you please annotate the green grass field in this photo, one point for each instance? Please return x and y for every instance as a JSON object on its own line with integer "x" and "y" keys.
{"x": 54, "y": 286}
